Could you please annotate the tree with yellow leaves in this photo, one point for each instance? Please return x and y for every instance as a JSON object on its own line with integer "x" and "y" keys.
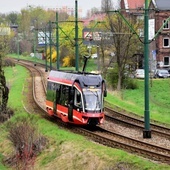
{"x": 53, "y": 54}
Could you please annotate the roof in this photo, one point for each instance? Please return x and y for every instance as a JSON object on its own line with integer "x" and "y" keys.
{"x": 162, "y": 4}
{"x": 94, "y": 17}
{"x": 131, "y": 4}
{"x": 69, "y": 77}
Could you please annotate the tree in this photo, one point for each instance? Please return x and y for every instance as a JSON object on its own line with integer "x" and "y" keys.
{"x": 12, "y": 18}
{"x": 67, "y": 39}
{"x": 4, "y": 48}
{"x": 106, "y": 5}
{"x": 126, "y": 44}
{"x": 125, "y": 41}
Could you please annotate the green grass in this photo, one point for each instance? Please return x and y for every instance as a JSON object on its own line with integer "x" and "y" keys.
{"x": 133, "y": 100}
{"x": 15, "y": 81}
{"x": 66, "y": 150}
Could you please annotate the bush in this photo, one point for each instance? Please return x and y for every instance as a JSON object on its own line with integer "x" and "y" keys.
{"x": 112, "y": 77}
{"x": 68, "y": 61}
{"x": 25, "y": 54}
{"x": 25, "y": 138}
{"x": 112, "y": 80}
{"x": 130, "y": 83}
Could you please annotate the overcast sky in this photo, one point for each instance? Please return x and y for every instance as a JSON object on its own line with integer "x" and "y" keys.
{"x": 7, "y": 6}
{"x": 16, "y": 5}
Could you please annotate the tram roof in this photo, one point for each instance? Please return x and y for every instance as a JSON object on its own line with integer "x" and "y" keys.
{"x": 85, "y": 79}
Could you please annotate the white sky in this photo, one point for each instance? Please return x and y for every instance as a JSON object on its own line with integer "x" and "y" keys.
{"x": 7, "y": 6}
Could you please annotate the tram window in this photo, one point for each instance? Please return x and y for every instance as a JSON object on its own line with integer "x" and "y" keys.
{"x": 51, "y": 86}
{"x": 57, "y": 92}
{"x": 64, "y": 95}
{"x": 77, "y": 99}
{"x": 51, "y": 91}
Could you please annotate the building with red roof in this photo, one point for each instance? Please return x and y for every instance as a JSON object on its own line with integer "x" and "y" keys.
{"x": 132, "y": 7}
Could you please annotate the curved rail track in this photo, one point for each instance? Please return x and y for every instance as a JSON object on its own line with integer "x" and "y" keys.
{"x": 99, "y": 134}
{"x": 130, "y": 121}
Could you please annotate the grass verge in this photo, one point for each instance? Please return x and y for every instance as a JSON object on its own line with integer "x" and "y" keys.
{"x": 133, "y": 100}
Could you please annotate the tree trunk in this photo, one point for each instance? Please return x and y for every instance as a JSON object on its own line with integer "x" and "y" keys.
{"x": 119, "y": 84}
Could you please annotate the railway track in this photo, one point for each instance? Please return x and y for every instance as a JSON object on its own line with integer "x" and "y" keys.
{"x": 100, "y": 134}
{"x": 130, "y": 121}
{"x": 112, "y": 139}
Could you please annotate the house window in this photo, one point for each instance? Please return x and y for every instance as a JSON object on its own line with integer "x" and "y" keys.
{"x": 166, "y": 42}
{"x": 166, "y": 60}
{"x": 166, "y": 26}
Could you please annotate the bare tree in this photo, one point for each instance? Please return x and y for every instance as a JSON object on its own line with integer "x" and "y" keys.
{"x": 27, "y": 142}
{"x": 125, "y": 43}
{"x": 106, "y": 5}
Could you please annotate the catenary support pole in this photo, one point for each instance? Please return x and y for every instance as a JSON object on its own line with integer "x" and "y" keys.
{"x": 46, "y": 69}
{"x": 147, "y": 131}
{"x": 57, "y": 42}
{"x": 50, "y": 41}
{"x": 76, "y": 37}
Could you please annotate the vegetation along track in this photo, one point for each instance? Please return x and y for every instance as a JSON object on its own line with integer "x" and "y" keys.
{"x": 37, "y": 92}
{"x": 99, "y": 134}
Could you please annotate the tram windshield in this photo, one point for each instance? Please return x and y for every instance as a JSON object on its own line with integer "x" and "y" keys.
{"x": 93, "y": 100}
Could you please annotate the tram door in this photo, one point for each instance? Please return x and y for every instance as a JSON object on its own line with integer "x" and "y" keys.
{"x": 70, "y": 104}
{"x": 56, "y": 98}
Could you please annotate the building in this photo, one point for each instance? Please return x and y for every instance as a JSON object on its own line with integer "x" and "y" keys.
{"x": 160, "y": 45}
{"x": 66, "y": 9}
{"x": 95, "y": 17}
{"x": 132, "y": 8}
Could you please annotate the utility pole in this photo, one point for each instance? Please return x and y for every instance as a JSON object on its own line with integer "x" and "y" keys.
{"x": 35, "y": 45}
{"x": 57, "y": 42}
{"x": 147, "y": 131}
{"x": 46, "y": 69}
{"x": 76, "y": 37}
{"x": 50, "y": 30}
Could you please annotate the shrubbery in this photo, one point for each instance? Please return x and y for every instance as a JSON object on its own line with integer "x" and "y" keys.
{"x": 26, "y": 140}
{"x": 127, "y": 81}
{"x": 68, "y": 61}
